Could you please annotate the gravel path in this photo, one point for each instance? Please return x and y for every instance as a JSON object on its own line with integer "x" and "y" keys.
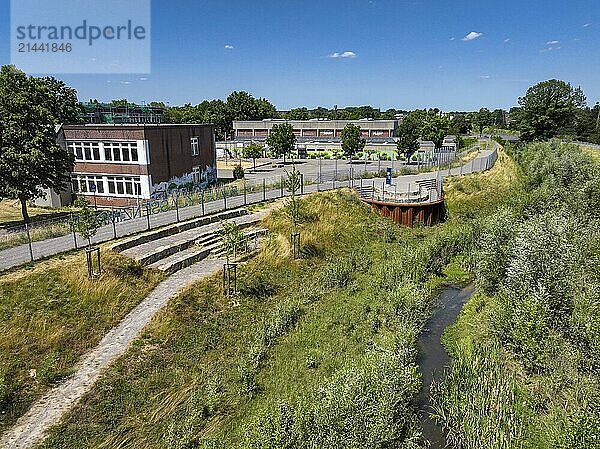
{"x": 48, "y": 410}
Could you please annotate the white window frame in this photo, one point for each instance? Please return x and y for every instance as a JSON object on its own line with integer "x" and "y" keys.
{"x": 194, "y": 142}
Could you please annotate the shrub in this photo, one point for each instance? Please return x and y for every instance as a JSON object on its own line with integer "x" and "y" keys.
{"x": 238, "y": 172}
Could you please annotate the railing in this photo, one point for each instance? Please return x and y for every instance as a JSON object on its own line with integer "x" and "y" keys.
{"x": 22, "y": 244}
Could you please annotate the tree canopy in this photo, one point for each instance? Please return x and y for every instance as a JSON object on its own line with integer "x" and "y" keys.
{"x": 549, "y": 109}
{"x": 253, "y": 151}
{"x": 30, "y": 157}
{"x": 281, "y": 140}
{"x": 352, "y": 140}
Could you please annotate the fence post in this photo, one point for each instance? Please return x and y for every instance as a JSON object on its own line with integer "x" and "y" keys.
{"x": 177, "y": 206}
{"x": 335, "y": 174}
{"x": 373, "y": 190}
{"x": 114, "y": 223}
{"x": 29, "y": 241}
{"x": 73, "y": 230}
{"x": 202, "y": 201}
{"x": 264, "y": 189}
{"x": 225, "y": 198}
{"x": 148, "y": 215}
{"x": 301, "y": 183}
{"x": 281, "y": 186}
{"x": 245, "y": 200}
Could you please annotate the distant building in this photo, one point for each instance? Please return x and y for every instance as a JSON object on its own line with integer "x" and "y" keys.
{"x": 316, "y": 129}
{"x": 117, "y": 165}
{"x": 323, "y": 135}
{"x": 98, "y": 113}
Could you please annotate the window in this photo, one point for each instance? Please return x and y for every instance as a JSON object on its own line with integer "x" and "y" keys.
{"x": 120, "y": 151}
{"x": 124, "y": 185}
{"x": 195, "y": 147}
{"x": 196, "y": 175}
{"x": 85, "y": 151}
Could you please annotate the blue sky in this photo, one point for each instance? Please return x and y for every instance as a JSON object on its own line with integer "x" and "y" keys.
{"x": 402, "y": 54}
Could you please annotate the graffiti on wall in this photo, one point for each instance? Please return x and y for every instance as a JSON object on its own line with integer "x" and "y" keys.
{"x": 185, "y": 183}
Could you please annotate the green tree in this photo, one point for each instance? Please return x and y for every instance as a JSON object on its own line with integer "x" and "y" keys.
{"x": 352, "y": 140}
{"x": 298, "y": 114}
{"x": 282, "y": 139}
{"x": 548, "y": 109}
{"x": 460, "y": 124}
{"x": 265, "y": 109}
{"x": 482, "y": 119}
{"x": 30, "y": 157}
{"x": 87, "y": 222}
{"x": 242, "y": 106}
{"x": 409, "y": 132}
{"x": 253, "y": 151}
{"x": 435, "y": 128}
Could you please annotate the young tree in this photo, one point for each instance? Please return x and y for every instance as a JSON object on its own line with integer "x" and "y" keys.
{"x": 232, "y": 238}
{"x": 409, "y": 132}
{"x": 352, "y": 141}
{"x": 282, "y": 139}
{"x": 253, "y": 151}
{"x": 548, "y": 108}
{"x": 30, "y": 157}
{"x": 87, "y": 222}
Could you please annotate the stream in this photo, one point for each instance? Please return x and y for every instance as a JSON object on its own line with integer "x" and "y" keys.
{"x": 433, "y": 358}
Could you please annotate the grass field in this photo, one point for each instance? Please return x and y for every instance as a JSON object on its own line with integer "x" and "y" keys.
{"x": 317, "y": 352}
{"x": 329, "y": 332}
{"x": 10, "y": 211}
{"x": 52, "y": 314}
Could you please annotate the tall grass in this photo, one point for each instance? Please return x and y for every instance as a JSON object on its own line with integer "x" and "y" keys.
{"x": 52, "y": 314}
{"x": 526, "y": 370}
{"x": 316, "y": 352}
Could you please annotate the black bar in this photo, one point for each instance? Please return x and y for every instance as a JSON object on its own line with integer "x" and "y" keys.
{"x": 29, "y": 241}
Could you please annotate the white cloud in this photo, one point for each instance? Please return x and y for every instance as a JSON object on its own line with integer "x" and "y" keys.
{"x": 452, "y": 38}
{"x": 346, "y": 54}
{"x": 472, "y": 36}
{"x": 485, "y": 77}
{"x": 506, "y": 40}
{"x": 552, "y": 42}
{"x": 125, "y": 82}
{"x": 550, "y": 49}
{"x": 143, "y": 78}
{"x": 585, "y": 25}
{"x": 228, "y": 47}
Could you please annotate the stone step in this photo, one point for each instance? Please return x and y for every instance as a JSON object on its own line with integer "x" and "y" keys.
{"x": 155, "y": 253}
{"x": 176, "y": 228}
{"x": 182, "y": 259}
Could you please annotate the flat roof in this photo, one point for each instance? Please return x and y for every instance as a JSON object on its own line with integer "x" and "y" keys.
{"x": 132, "y": 125}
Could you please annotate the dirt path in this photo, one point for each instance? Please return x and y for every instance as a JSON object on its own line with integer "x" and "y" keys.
{"x": 48, "y": 410}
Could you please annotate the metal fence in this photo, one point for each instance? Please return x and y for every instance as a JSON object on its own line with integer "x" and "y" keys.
{"x": 26, "y": 243}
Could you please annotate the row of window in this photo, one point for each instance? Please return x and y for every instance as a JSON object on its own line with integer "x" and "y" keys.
{"x": 111, "y": 185}
{"x": 104, "y": 151}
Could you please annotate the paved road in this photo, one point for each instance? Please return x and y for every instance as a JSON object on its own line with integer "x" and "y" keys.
{"x": 19, "y": 255}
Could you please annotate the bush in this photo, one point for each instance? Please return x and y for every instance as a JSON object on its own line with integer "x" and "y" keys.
{"x": 238, "y": 172}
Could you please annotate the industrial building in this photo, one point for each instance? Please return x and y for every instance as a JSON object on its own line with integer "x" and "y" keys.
{"x": 323, "y": 135}
{"x": 118, "y": 165}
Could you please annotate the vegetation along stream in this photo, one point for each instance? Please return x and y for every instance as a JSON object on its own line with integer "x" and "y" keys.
{"x": 433, "y": 358}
